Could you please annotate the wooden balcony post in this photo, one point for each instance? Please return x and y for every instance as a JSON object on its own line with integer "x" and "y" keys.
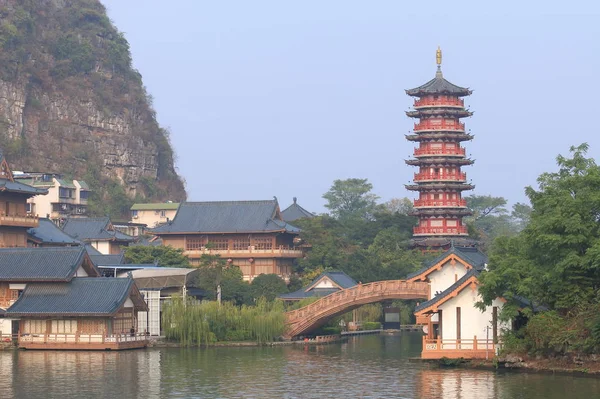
{"x": 475, "y": 343}
{"x": 439, "y": 343}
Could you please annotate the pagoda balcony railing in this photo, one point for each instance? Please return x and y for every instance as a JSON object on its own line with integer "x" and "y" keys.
{"x": 423, "y": 151}
{"x": 425, "y": 176}
{"x": 440, "y": 102}
{"x": 455, "y": 203}
{"x": 26, "y": 220}
{"x": 426, "y": 126}
{"x": 458, "y": 230}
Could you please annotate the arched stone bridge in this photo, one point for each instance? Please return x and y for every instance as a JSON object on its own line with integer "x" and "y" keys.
{"x": 317, "y": 313}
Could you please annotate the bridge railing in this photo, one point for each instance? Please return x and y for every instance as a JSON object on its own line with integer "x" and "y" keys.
{"x": 388, "y": 287}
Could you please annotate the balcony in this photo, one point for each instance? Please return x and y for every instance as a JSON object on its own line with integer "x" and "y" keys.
{"x": 440, "y": 231}
{"x": 430, "y": 203}
{"x": 439, "y": 102}
{"x": 78, "y": 341}
{"x": 19, "y": 220}
{"x": 429, "y": 126}
{"x": 427, "y": 176}
{"x": 281, "y": 251}
{"x": 428, "y": 151}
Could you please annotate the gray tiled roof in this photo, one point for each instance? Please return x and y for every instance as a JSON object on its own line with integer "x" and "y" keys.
{"x": 83, "y": 296}
{"x": 40, "y": 264}
{"x": 16, "y": 187}
{"x": 338, "y": 277}
{"x": 108, "y": 260}
{"x": 93, "y": 229}
{"x": 227, "y": 217}
{"x": 472, "y": 256}
{"x": 49, "y": 233}
{"x": 447, "y": 291}
{"x": 438, "y": 85}
{"x": 91, "y": 250}
{"x": 294, "y": 212}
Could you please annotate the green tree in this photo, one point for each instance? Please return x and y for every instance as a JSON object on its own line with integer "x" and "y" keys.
{"x": 351, "y": 198}
{"x": 164, "y": 255}
{"x": 555, "y": 260}
{"x": 268, "y": 286}
{"x": 212, "y": 270}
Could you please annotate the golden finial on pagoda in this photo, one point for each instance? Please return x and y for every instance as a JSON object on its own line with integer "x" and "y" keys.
{"x": 438, "y": 56}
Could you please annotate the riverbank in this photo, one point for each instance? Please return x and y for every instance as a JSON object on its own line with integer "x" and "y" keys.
{"x": 574, "y": 366}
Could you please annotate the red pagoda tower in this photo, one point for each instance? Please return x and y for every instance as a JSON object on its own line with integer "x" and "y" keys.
{"x": 440, "y": 182}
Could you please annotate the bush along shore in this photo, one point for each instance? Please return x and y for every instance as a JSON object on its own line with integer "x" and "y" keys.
{"x": 194, "y": 323}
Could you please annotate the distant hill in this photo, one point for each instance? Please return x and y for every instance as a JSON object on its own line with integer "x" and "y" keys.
{"x": 70, "y": 102}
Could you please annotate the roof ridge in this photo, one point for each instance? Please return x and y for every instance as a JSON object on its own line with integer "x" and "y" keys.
{"x": 228, "y": 202}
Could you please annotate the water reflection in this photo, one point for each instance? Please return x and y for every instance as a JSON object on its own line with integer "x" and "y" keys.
{"x": 365, "y": 367}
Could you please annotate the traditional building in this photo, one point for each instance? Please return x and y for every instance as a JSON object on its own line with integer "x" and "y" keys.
{"x": 48, "y": 234}
{"x": 295, "y": 212}
{"x": 325, "y": 284}
{"x": 454, "y": 326}
{"x": 439, "y": 107}
{"x": 249, "y": 234}
{"x": 14, "y": 218}
{"x": 65, "y": 198}
{"x": 153, "y": 215}
{"x": 99, "y": 233}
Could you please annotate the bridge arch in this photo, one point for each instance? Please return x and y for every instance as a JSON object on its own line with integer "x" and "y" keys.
{"x": 308, "y": 318}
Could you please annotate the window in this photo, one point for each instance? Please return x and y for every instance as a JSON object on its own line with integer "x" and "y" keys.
{"x": 163, "y": 214}
{"x": 64, "y": 326}
{"x": 436, "y": 146}
{"x": 451, "y": 223}
{"x": 84, "y": 194}
{"x": 64, "y": 192}
{"x": 241, "y": 244}
{"x": 134, "y": 214}
{"x": 436, "y": 223}
{"x": 263, "y": 243}
{"x": 28, "y": 207}
{"x": 34, "y": 326}
{"x": 220, "y": 244}
{"x": 194, "y": 244}
{"x": 457, "y": 322}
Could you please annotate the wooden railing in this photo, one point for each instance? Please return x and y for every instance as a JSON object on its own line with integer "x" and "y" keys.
{"x": 440, "y": 230}
{"x": 19, "y": 220}
{"x": 439, "y": 126}
{"x": 457, "y": 203}
{"x": 77, "y": 338}
{"x": 303, "y": 319}
{"x": 422, "y": 176}
{"x": 281, "y": 249}
{"x": 458, "y": 348}
{"x": 442, "y": 102}
{"x": 421, "y": 151}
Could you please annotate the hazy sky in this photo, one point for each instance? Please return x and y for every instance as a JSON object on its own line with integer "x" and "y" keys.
{"x": 280, "y": 98}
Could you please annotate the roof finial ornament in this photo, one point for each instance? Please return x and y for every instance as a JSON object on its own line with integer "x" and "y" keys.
{"x": 438, "y": 60}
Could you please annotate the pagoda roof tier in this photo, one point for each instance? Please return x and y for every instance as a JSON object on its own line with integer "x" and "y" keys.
{"x": 441, "y": 212}
{"x": 430, "y": 186}
{"x": 439, "y": 161}
{"x": 443, "y": 242}
{"x": 436, "y": 136}
{"x": 434, "y": 111}
{"x": 438, "y": 85}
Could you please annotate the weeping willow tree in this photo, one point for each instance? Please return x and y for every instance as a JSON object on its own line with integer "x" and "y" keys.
{"x": 192, "y": 322}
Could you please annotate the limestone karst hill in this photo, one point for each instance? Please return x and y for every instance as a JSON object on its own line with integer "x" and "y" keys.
{"x": 70, "y": 102}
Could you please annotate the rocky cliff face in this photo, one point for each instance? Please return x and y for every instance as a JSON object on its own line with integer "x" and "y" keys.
{"x": 71, "y": 103}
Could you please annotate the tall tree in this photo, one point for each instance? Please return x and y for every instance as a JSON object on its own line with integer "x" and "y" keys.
{"x": 163, "y": 255}
{"x": 351, "y": 198}
{"x": 555, "y": 260}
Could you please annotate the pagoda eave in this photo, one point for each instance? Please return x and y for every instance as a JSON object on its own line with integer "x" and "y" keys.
{"x": 458, "y": 136}
{"x": 457, "y": 113}
{"x": 439, "y": 161}
{"x": 439, "y": 186}
{"x": 441, "y": 212}
{"x": 442, "y": 242}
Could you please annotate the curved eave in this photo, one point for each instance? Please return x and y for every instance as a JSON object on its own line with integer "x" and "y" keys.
{"x": 439, "y": 161}
{"x": 438, "y": 136}
{"x": 455, "y": 112}
{"x": 452, "y": 211}
{"x": 439, "y": 186}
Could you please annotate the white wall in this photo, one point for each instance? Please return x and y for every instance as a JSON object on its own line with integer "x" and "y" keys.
{"x": 325, "y": 283}
{"x": 102, "y": 246}
{"x": 473, "y": 320}
{"x": 81, "y": 272}
{"x": 150, "y": 321}
{"x": 442, "y": 279}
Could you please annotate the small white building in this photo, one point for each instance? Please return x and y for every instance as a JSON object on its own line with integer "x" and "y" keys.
{"x": 455, "y": 327}
{"x": 153, "y": 215}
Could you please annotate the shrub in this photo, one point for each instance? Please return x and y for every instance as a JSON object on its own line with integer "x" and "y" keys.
{"x": 370, "y": 325}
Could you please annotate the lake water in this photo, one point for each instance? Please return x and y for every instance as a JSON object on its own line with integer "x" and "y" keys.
{"x": 365, "y": 367}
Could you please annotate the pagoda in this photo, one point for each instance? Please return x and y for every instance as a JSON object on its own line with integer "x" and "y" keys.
{"x": 439, "y": 106}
